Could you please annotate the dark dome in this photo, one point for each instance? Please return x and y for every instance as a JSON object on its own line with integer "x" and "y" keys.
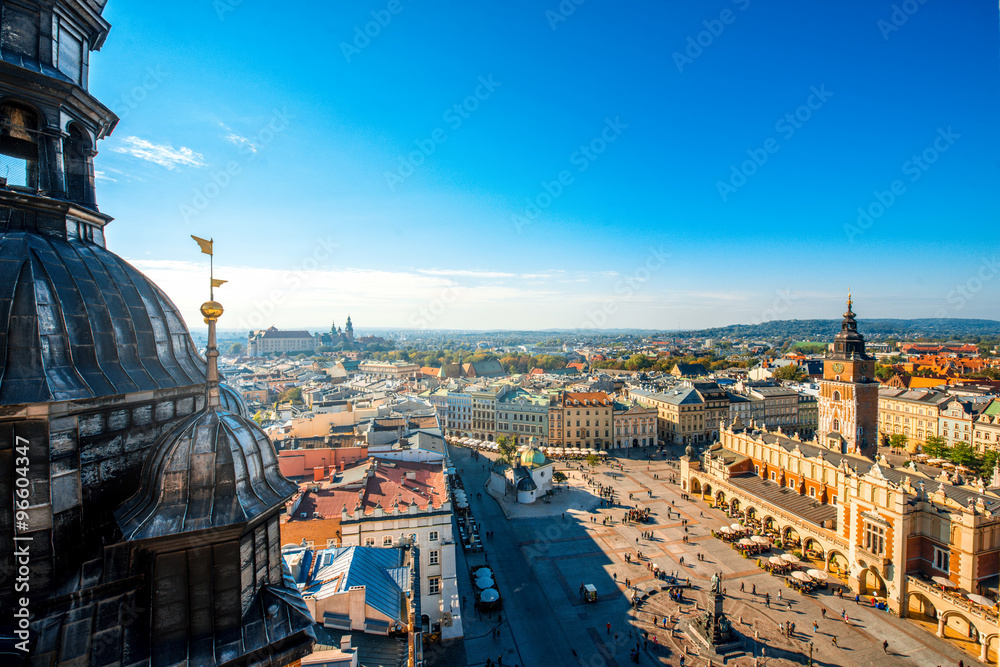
{"x": 232, "y": 401}
{"x": 215, "y": 469}
{"x": 80, "y": 322}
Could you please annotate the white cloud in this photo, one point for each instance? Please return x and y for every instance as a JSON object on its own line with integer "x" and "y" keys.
{"x": 161, "y": 154}
{"x": 102, "y": 176}
{"x": 238, "y": 140}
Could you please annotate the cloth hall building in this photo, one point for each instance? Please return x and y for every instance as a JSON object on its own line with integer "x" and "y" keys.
{"x": 890, "y": 532}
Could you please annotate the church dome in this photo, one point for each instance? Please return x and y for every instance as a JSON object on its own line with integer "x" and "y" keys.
{"x": 78, "y": 322}
{"x": 215, "y": 469}
{"x": 232, "y": 401}
{"x": 532, "y": 457}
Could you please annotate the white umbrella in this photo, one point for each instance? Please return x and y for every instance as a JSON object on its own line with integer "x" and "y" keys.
{"x": 746, "y": 542}
{"x": 736, "y": 526}
{"x": 725, "y": 530}
{"x": 774, "y": 560}
{"x": 484, "y": 572}
{"x": 484, "y": 582}
{"x": 943, "y": 581}
{"x": 462, "y": 504}
{"x": 789, "y": 558}
{"x": 602, "y": 453}
{"x": 801, "y": 576}
{"x": 979, "y": 599}
{"x": 759, "y": 539}
{"x": 818, "y": 575}
{"x": 489, "y": 595}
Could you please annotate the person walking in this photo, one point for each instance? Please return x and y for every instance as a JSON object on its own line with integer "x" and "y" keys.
{"x": 833, "y": 640}
{"x": 885, "y": 646}
{"x": 815, "y": 627}
{"x": 609, "y": 628}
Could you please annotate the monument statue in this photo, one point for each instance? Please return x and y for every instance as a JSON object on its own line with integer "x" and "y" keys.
{"x": 716, "y": 584}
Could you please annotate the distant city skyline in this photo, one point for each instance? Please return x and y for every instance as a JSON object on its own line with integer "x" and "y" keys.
{"x": 625, "y": 166}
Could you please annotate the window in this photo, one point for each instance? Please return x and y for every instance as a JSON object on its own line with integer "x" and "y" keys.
{"x": 19, "y": 145}
{"x": 432, "y": 557}
{"x": 812, "y": 491}
{"x": 387, "y": 541}
{"x": 369, "y": 541}
{"x": 942, "y": 559}
{"x": 433, "y": 585}
{"x": 874, "y": 538}
{"x": 433, "y": 536}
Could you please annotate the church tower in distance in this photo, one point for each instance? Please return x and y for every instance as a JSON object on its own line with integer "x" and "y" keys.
{"x": 848, "y": 400}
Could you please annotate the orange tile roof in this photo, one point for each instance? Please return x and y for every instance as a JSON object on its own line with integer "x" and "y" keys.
{"x": 388, "y": 484}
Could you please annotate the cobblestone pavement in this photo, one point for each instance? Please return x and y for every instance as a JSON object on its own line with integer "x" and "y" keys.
{"x": 541, "y": 556}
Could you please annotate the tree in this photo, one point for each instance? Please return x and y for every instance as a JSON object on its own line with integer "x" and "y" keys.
{"x": 898, "y": 440}
{"x": 964, "y": 454}
{"x": 592, "y": 460}
{"x": 791, "y": 372}
{"x": 235, "y": 349}
{"x": 559, "y": 477}
{"x": 293, "y": 395}
{"x": 507, "y": 449}
{"x": 324, "y": 348}
{"x": 936, "y": 447}
{"x": 989, "y": 463}
{"x": 883, "y": 372}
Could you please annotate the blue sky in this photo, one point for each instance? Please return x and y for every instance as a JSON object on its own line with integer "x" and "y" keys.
{"x": 626, "y": 164}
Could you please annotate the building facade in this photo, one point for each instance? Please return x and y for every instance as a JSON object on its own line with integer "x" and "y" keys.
{"x": 586, "y": 419}
{"x": 275, "y": 341}
{"x": 522, "y": 416}
{"x": 635, "y": 425}
{"x": 911, "y": 412}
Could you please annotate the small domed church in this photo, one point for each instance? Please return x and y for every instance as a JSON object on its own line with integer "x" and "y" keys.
{"x": 531, "y": 476}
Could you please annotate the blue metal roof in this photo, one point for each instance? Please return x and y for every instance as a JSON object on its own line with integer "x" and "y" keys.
{"x": 379, "y": 570}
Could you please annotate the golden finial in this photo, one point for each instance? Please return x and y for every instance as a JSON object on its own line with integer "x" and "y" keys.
{"x": 849, "y": 301}
{"x": 211, "y": 310}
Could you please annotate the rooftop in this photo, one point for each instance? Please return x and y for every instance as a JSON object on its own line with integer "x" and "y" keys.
{"x": 372, "y": 483}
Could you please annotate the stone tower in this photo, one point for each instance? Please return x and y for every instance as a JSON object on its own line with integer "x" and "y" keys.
{"x": 99, "y": 383}
{"x": 848, "y": 399}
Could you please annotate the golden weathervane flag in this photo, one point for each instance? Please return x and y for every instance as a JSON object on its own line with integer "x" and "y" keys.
{"x": 206, "y": 246}
{"x": 218, "y": 283}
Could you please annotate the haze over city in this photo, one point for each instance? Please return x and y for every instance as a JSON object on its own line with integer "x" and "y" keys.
{"x": 533, "y": 165}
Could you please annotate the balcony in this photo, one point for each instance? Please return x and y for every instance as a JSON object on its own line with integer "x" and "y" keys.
{"x": 871, "y": 557}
